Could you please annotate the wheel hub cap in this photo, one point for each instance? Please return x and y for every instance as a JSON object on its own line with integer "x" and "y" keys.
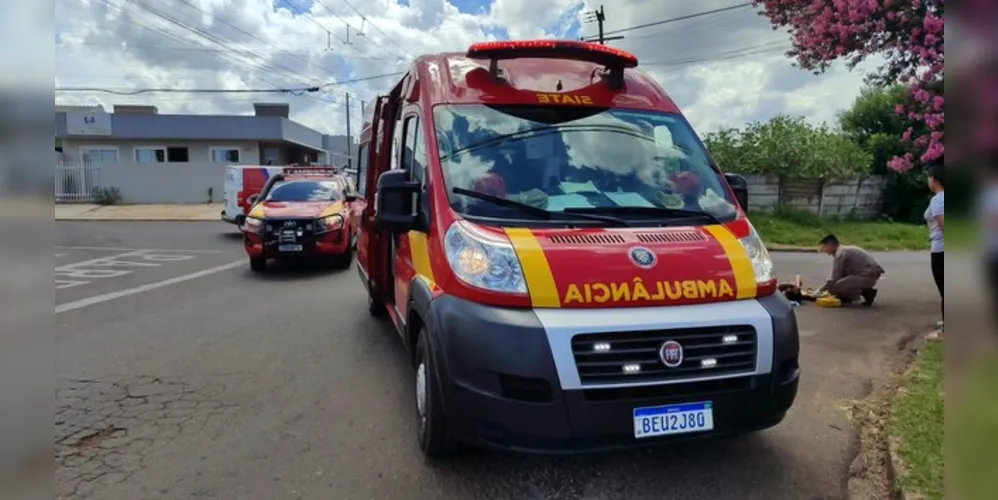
{"x": 421, "y": 390}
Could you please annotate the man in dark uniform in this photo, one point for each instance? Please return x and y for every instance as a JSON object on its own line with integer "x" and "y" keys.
{"x": 854, "y": 272}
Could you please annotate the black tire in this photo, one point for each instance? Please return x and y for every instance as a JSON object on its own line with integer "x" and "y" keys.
{"x": 344, "y": 260}
{"x": 376, "y": 308}
{"x": 258, "y": 264}
{"x": 431, "y": 425}
{"x": 240, "y": 220}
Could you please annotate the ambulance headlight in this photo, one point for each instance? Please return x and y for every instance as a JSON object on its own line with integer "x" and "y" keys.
{"x": 483, "y": 260}
{"x": 762, "y": 263}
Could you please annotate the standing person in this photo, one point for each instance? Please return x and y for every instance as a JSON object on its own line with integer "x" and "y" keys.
{"x": 854, "y": 272}
{"x": 934, "y": 219}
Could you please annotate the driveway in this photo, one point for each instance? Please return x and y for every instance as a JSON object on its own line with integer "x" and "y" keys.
{"x": 194, "y": 378}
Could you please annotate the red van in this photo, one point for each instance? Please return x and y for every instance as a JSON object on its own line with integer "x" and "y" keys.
{"x": 567, "y": 265}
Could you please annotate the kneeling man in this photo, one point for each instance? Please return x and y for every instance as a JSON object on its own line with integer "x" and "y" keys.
{"x": 854, "y": 272}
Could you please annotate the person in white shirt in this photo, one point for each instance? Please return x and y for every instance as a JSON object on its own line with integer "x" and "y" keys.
{"x": 934, "y": 219}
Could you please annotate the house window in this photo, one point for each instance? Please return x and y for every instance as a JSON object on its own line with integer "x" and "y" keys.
{"x": 225, "y": 155}
{"x": 150, "y": 155}
{"x": 161, "y": 155}
{"x": 101, "y": 155}
{"x": 177, "y": 155}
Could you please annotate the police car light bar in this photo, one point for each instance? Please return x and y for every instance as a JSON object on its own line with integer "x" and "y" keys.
{"x": 553, "y": 49}
{"x": 294, "y": 169}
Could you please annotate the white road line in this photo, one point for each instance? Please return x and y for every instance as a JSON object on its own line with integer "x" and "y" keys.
{"x": 89, "y": 301}
{"x": 74, "y": 265}
{"x": 121, "y": 249}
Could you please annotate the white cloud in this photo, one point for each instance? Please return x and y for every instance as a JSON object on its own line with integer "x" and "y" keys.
{"x": 723, "y": 70}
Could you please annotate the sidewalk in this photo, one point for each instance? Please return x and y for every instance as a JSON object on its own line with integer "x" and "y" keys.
{"x": 198, "y": 212}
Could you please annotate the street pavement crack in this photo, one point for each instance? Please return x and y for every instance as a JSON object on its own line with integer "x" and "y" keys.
{"x": 106, "y": 429}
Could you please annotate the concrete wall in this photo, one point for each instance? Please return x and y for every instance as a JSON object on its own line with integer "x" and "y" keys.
{"x": 833, "y": 197}
{"x": 156, "y": 127}
{"x": 166, "y": 182}
{"x": 198, "y": 151}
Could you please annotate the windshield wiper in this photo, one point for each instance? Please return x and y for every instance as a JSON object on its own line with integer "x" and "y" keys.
{"x": 618, "y": 210}
{"x": 540, "y": 212}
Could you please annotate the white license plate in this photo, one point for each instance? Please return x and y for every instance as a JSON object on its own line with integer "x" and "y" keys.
{"x": 673, "y": 419}
{"x": 289, "y": 248}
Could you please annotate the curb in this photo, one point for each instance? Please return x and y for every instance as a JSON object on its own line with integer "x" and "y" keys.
{"x": 895, "y": 465}
{"x": 791, "y": 249}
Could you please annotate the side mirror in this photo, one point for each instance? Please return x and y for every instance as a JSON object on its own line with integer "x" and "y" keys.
{"x": 350, "y": 198}
{"x": 740, "y": 186}
{"x": 397, "y": 202}
{"x": 253, "y": 198}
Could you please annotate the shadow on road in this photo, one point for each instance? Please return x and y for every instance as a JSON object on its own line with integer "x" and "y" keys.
{"x": 292, "y": 270}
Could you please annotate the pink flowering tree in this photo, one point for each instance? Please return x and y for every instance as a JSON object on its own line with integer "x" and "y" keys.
{"x": 908, "y": 34}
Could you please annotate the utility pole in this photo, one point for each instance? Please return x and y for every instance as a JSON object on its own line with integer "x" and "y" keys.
{"x": 349, "y": 139}
{"x": 599, "y": 17}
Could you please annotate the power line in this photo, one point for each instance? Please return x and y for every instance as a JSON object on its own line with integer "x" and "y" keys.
{"x": 680, "y": 18}
{"x": 350, "y": 26}
{"x": 201, "y": 49}
{"x": 292, "y": 91}
{"x": 364, "y": 19}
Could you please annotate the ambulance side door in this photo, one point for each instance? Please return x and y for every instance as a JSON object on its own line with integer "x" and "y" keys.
{"x": 412, "y": 158}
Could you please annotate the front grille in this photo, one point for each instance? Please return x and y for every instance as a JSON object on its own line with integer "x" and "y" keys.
{"x": 615, "y": 357}
{"x": 289, "y": 230}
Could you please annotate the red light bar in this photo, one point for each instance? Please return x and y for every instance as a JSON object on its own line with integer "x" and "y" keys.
{"x": 554, "y": 49}
{"x": 294, "y": 169}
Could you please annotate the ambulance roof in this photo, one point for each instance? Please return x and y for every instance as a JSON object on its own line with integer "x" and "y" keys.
{"x": 456, "y": 78}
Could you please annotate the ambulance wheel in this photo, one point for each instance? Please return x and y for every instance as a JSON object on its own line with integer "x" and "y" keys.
{"x": 432, "y": 427}
{"x": 258, "y": 264}
{"x": 375, "y": 308}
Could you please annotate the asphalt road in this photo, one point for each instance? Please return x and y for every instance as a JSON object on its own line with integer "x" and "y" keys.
{"x": 187, "y": 376}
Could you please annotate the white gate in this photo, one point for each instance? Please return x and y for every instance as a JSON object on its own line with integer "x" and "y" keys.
{"x": 76, "y": 182}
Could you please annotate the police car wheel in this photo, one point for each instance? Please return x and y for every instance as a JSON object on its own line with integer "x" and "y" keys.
{"x": 432, "y": 428}
{"x": 258, "y": 264}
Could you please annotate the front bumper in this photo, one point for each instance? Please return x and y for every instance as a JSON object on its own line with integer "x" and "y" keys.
{"x": 330, "y": 243}
{"x": 509, "y": 379}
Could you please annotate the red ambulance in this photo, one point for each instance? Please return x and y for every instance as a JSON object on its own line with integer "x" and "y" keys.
{"x": 565, "y": 262}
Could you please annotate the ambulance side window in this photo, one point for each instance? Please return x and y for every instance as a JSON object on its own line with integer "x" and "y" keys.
{"x": 414, "y": 155}
{"x": 362, "y": 170}
{"x": 397, "y": 145}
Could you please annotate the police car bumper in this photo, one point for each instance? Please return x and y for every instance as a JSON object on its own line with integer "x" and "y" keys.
{"x": 514, "y": 379}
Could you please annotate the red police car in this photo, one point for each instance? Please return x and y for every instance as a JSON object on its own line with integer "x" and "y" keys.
{"x": 303, "y": 212}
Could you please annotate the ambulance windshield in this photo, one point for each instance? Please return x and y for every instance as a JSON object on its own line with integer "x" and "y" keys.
{"x": 576, "y": 158}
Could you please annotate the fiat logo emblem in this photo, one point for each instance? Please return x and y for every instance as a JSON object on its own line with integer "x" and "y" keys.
{"x": 642, "y": 257}
{"x": 671, "y": 353}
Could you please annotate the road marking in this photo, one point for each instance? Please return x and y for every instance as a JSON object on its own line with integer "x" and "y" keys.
{"x": 89, "y": 301}
{"x": 82, "y": 272}
{"x": 121, "y": 249}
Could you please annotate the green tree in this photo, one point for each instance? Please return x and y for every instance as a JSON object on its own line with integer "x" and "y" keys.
{"x": 788, "y": 147}
{"x": 875, "y": 125}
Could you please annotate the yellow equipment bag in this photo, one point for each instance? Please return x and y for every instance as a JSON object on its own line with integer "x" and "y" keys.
{"x": 828, "y": 301}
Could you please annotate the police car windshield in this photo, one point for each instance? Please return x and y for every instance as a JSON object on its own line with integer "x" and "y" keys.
{"x": 304, "y": 190}
{"x": 576, "y": 158}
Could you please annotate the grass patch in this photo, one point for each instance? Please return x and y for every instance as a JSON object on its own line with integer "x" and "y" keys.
{"x": 917, "y": 420}
{"x": 805, "y": 229}
{"x": 972, "y": 433}
{"x": 961, "y": 233}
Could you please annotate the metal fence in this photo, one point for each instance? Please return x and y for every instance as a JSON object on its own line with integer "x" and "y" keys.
{"x": 77, "y": 183}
